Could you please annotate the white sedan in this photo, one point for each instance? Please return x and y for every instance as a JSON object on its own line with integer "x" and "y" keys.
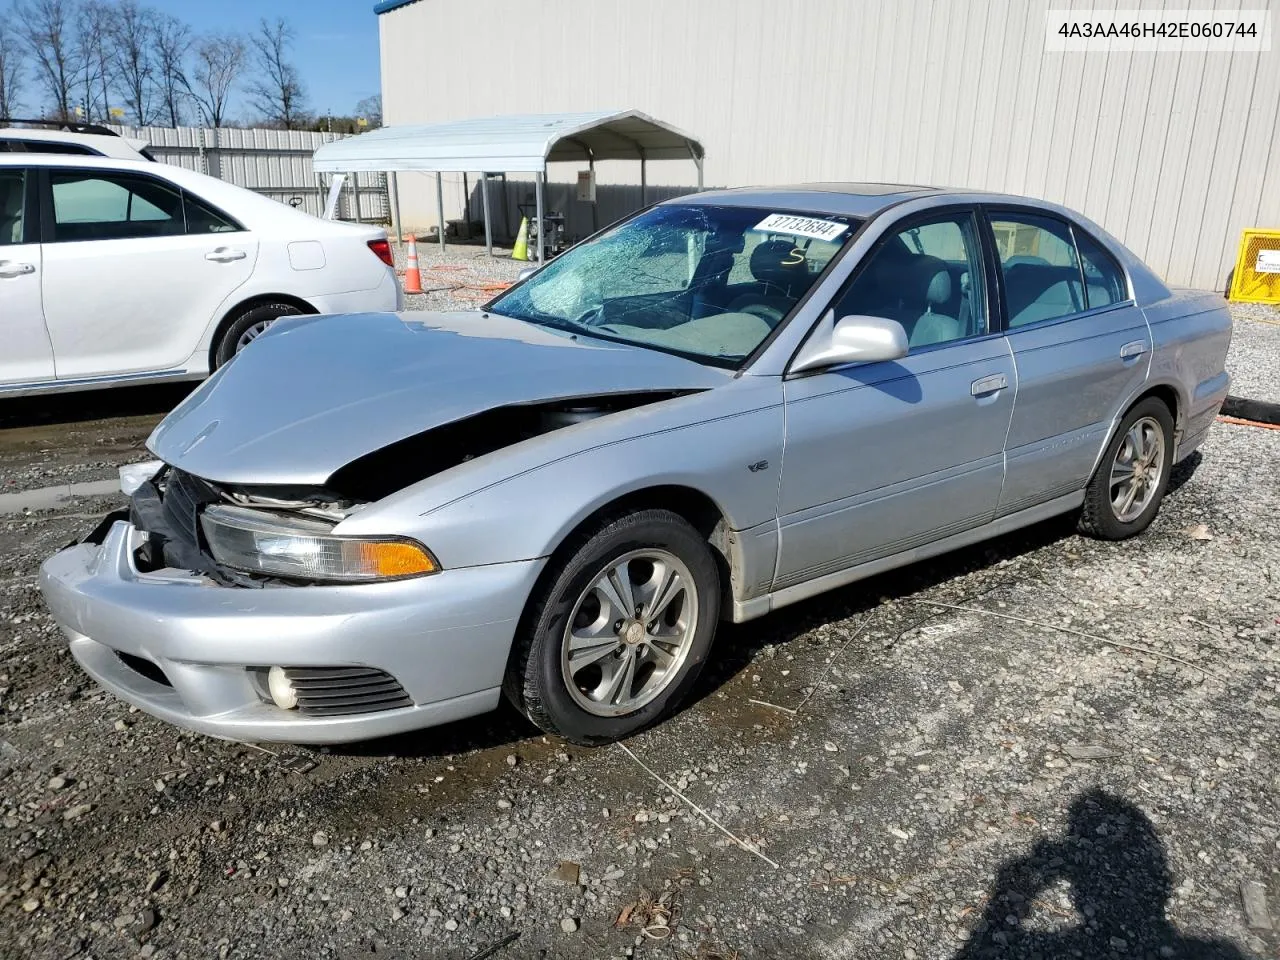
{"x": 117, "y": 272}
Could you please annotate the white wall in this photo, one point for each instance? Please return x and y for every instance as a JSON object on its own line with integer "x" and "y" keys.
{"x": 1173, "y": 153}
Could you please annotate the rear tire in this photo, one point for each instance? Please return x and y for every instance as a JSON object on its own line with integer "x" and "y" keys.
{"x": 620, "y": 631}
{"x": 1125, "y": 493}
{"x": 246, "y": 326}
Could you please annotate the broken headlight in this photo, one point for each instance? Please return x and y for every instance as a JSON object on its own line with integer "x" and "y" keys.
{"x": 258, "y": 541}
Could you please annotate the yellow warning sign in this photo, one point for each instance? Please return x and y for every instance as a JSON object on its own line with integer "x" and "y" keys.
{"x": 1256, "y": 278}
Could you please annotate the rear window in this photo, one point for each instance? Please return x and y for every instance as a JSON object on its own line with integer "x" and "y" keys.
{"x": 13, "y": 145}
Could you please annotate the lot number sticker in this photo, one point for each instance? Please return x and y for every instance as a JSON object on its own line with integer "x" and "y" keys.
{"x": 1268, "y": 262}
{"x": 802, "y": 226}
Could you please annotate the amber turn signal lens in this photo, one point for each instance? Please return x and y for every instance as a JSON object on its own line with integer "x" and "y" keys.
{"x": 392, "y": 558}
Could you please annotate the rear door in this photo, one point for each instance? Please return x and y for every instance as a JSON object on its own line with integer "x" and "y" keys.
{"x": 1080, "y": 344}
{"x": 26, "y": 354}
{"x": 134, "y": 270}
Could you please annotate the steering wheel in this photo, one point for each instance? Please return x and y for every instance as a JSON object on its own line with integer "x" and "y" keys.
{"x": 770, "y": 315}
{"x": 588, "y": 318}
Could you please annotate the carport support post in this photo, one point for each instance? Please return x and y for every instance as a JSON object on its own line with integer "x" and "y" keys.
{"x": 355, "y": 195}
{"x": 440, "y": 207}
{"x": 643, "y": 184}
{"x": 537, "y": 190}
{"x": 395, "y": 207}
{"x": 698, "y": 163}
{"x": 488, "y": 230}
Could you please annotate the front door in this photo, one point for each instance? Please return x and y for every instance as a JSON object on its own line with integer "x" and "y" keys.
{"x": 884, "y": 457}
{"x": 134, "y": 272}
{"x": 26, "y": 355}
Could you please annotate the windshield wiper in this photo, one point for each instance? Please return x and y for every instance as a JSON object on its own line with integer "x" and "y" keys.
{"x": 545, "y": 320}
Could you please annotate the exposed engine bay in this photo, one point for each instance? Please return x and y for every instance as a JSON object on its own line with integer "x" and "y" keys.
{"x": 168, "y": 506}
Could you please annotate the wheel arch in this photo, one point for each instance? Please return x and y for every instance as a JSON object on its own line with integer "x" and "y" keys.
{"x": 1168, "y": 394}
{"x": 248, "y": 303}
{"x": 694, "y": 505}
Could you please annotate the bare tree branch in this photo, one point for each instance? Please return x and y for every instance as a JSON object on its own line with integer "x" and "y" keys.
{"x": 11, "y": 71}
{"x": 219, "y": 58}
{"x": 93, "y": 76}
{"x": 371, "y": 109}
{"x": 45, "y": 28}
{"x": 172, "y": 41}
{"x": 278, "y": 93}
{"x": 132, "y": 48}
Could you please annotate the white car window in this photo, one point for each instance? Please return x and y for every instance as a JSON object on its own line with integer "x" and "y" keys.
{"x": 12, "y": 205}
{"x": 94, "y": 205}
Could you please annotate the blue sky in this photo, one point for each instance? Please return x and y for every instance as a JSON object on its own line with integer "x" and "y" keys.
{"x": 336, "y": 51}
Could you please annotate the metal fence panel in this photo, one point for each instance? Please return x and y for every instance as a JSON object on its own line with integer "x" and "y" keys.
{"x": 275, "y": 163}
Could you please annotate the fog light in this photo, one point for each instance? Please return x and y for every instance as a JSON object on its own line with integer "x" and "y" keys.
{"x": 281, "y": 689}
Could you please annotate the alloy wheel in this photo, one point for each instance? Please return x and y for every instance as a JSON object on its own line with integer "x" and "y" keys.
{"x": 1137, "y": 470}
{"x": 629, "y": 633}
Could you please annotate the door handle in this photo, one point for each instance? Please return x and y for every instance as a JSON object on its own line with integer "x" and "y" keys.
{"x": 1135, "y": 348}
{"x": 12, "y": 268}
{"x": 225, "y": 255}
{"x": 985, "y": 385}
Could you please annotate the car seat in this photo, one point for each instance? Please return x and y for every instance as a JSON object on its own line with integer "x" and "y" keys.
{"x": 935, "y": 326}
{"x": 781, "y": 278}
{"x": 11, "y": 204}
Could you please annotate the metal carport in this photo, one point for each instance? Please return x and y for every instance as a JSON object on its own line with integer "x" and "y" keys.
{"x": 512, "y": 144}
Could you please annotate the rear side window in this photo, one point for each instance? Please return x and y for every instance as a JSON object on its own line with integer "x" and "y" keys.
{"x": 13, "y": 196}
{"x": 1103, "y": 279}
{"x": 1041, "y": 271}
{"x": 38, "y": 146}
{"x": 202, "y": 218}
{"x": 96, "y": 205}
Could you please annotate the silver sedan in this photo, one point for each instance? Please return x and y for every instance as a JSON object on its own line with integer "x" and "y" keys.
{"x": 725, "y": 404}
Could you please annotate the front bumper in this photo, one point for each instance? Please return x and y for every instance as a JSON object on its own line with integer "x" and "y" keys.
{"x": 445, "y": 638}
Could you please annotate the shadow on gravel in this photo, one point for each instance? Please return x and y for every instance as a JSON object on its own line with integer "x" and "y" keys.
{"x": 91, "y": 405}
{"x": 498, "y": 728}
{"x": 737, "y": 644}
{"x": 1115, "y": 865}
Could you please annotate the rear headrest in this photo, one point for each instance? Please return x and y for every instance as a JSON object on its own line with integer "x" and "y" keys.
{"x": 939, "y": 289}
{"x": 776, "y": 262}
{"x": 10, "y": 198}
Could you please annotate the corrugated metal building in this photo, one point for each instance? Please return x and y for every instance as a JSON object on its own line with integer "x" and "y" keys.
{"x": 1175, "y": 153}
{"x": 275, "y": 163}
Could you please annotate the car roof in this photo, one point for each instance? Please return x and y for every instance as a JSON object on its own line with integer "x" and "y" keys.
{"x": 849, "y": 199}
{"x": 852, "y": 199}
{"x": 108, "y": 145}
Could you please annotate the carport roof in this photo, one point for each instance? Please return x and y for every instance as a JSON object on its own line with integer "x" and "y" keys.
{"x": 520, "y": 143}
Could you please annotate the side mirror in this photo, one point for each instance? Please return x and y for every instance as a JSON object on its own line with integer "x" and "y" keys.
{"x": 852, "y": 339}
{"x": 525, "y": 274}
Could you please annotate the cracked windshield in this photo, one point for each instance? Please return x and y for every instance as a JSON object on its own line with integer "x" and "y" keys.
{"x": 704, "y": 281}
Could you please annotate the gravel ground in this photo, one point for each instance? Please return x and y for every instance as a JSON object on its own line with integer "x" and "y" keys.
{"x": 1254, "y": 362}
{"x": 888, "y": 776}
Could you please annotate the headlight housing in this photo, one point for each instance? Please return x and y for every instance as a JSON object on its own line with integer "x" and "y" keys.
{"x": 300, "y": 548}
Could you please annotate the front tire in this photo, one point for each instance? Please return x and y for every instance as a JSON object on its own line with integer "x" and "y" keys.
{"x": 1125, "y": 493}
{"x": 246, "y": 326}
{"x": 620, "y": 632}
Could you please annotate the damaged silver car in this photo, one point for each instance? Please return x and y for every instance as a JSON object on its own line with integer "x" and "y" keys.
{"x": 722, "y": 405}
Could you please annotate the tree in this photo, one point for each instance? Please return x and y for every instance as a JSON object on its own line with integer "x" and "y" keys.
{"x": 171, "y": 39}
{"x": 371, "y": 109}
{"x": 45, "y": 28}
{"x": 10, "y": 72}
{"x": 219, "y": 58}
{"x": 133, "y": 46}
{"x": 94, "y": 21}
{"x": 278, "y": 94}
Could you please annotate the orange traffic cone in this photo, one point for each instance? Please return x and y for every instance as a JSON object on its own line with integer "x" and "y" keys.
{"x": 412, "y": 276}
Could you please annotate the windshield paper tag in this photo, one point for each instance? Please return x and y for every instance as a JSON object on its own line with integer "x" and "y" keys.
{"x": 801, "y": 226}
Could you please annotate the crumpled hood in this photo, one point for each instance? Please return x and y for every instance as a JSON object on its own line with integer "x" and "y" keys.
{"x": 314, "y": 393}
